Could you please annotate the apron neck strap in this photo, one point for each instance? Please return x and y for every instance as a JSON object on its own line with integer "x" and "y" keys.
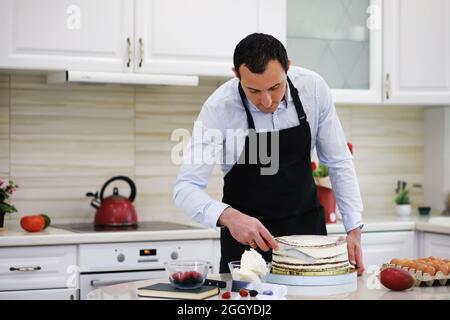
{"x": 251, "y": 124}
{"x": 298, "y": 104}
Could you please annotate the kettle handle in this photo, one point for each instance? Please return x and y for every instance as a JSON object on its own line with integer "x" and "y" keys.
{"x": 126, "y": 179}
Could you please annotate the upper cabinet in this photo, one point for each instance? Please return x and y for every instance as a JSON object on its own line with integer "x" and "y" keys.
{"x": 199, "y": 36}
{"x": 368, "y": 51}
{"x": 66, "y": 34}
{"x": 195, "y": 37}
{"x": 340, "y": 40}
{"x": 417, "y": 51}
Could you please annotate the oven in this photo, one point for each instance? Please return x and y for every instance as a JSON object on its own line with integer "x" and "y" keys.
{"x": 105, "y": 264}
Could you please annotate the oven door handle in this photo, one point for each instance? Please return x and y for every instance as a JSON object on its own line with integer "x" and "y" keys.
{"x": 99, "y": 283}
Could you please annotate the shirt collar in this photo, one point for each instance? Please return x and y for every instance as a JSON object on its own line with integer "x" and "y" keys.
{"x": 283, "y": 104}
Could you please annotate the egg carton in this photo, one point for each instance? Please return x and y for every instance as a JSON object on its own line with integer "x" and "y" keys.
{"x": 421, "y": 278}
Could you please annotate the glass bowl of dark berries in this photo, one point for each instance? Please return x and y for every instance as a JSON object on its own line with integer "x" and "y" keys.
{"x": 187, "y": 274}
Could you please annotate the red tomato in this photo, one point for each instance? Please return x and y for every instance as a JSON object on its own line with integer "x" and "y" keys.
{"x": 313, "y": 166}
{"x": 396, "y": 279}
{"x": 33, "y": 223}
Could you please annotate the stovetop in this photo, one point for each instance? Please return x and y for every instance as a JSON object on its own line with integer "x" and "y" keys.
{"x": 141, "y": 226}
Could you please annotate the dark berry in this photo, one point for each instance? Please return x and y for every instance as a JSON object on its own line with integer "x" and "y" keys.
{"x": 253, "y": 293}
{"x": 176, "y": 276}
{"x": 268, "y": 292}
{"x": 243, "y": 292}
{"x": 226, "y": 295}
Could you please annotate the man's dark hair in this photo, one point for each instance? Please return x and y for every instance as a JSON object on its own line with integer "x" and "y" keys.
{"x": 256, "y": 50}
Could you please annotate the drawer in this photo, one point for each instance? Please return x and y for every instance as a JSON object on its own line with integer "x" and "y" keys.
{"x": 41, "y": 267}
{"x": 47, "y": 294}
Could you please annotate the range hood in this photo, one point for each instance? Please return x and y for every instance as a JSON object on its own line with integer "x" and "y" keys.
{"x": 121, "y": 78}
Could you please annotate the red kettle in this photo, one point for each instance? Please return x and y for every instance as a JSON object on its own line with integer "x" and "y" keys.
{"x": 115, "y": 210}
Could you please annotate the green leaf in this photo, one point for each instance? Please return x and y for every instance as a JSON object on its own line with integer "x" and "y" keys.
{"x": 402, "y": 197}
{"x": 7, "y": 208}
{"x": 321, "y": 171}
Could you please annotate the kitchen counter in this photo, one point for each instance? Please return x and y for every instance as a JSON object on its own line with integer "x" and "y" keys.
{"x": 394, "y": 223}
{"x": 14, "y": 235}
{"x": 367, "y": 287}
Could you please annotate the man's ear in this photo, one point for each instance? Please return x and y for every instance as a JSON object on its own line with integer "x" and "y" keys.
{"x": 235, "y": 73}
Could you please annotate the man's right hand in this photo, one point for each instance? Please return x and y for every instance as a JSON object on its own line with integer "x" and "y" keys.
{"x": 247, "y": 230}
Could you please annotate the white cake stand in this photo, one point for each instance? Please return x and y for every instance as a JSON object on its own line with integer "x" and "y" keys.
{"x": 292, "y": 280}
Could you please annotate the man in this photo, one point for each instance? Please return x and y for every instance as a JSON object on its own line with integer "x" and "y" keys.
{"x": 272, "y": 99}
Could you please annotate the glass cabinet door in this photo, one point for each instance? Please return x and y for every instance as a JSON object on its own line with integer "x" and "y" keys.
{"x": 334, "y": 39}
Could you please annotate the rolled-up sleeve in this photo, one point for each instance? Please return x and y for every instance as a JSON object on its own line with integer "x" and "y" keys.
{"x": 333, "y": 151}
{"x": 199, "y": 159}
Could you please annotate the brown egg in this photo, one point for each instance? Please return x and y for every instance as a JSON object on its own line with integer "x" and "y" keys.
{"x": 421, "y": 260}
{"x": 425, "y": 268}
{"x": 429, "y": 269}
{"x": 447, "y": 264}
{"x": 396, "y": 261}
{"x": 442, "y": 267}
{"x": 416, "y": 265}
{"x": 407, "y": 263}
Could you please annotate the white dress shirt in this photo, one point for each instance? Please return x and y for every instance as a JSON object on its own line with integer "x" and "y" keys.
{"x": 224, "y": 111}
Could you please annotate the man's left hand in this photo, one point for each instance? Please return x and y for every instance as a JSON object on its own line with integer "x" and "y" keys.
{"x": 354, "y": 249}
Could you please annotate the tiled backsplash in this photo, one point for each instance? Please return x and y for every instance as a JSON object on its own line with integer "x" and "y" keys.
{"x": 60, "y": 141}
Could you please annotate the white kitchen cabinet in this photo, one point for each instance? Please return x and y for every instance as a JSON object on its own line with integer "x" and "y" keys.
{"x": 436, "y": 245}
{"x": 417, "y": 52}
{"x": 78, "y": 35}
{"x": 31, "y": 271}
{"x": 342, "y": 41}
{"x": 198, "y": 37}
{"x": 195, "y": 37}
{"x": 380, "y": 247}
{"x": 49, "y": 294}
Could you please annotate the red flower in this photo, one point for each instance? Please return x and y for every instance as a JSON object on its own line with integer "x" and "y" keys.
{"x": 350, "y": 147}
{"x": 313, "y": 166}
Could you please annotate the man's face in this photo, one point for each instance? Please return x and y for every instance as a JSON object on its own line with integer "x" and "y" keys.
{"x": 265, "y": 90}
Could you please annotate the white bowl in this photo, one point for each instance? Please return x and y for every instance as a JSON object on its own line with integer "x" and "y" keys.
{"x": 244, "y": 275}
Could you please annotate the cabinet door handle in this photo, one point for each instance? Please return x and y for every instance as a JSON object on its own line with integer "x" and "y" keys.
{"x": 129, "y": 52}
{"x": 100, "y": 283}
{"x": 141, "y": 50}
{"x": 387, "y": 86}
{"x": 25, "y": 269}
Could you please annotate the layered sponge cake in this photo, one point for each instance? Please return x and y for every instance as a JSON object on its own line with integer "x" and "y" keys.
{"x": 310, "y": 255}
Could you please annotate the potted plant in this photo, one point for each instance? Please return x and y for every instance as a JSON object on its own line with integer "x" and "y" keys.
{"x": 324, "y": 190}
{"x": 402, "y": 199}
{"x": 7, "y": 188}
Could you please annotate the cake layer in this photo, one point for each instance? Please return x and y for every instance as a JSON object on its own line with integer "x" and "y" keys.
{"x": 312, "y": 248}
{"x": 310, "y": 255}
{"x": 284, "y": 258}
{"x": 343, "y": 270}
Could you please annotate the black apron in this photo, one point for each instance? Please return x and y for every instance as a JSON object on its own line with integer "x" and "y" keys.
{"x": 286, "y": 202}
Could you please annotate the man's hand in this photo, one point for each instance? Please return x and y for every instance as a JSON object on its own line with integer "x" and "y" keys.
{"x": 354, "y": 249}
{"x": 247, "y": 230}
